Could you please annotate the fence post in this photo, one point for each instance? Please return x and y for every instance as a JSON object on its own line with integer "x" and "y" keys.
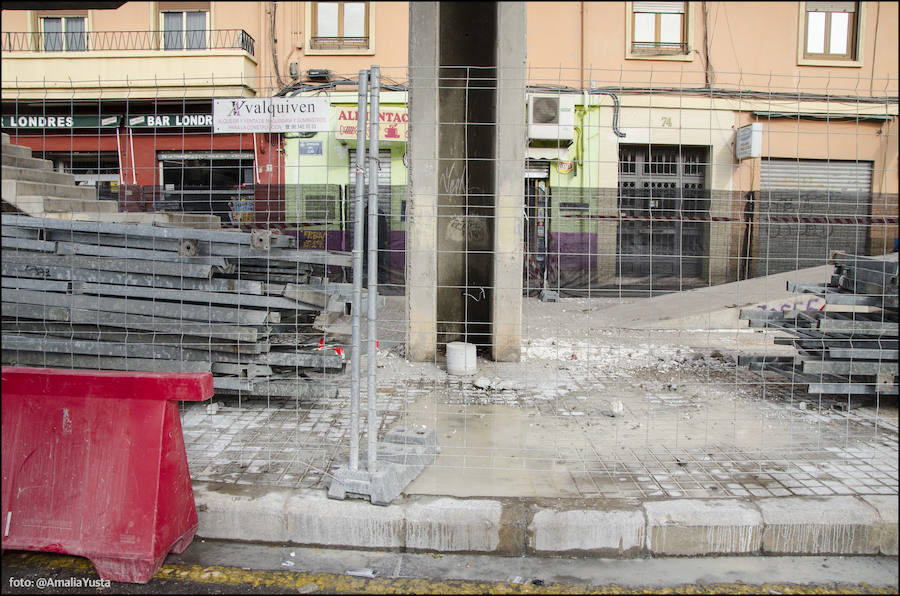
{"x": 356, "y": 304}
{"x": 375, "y": 88}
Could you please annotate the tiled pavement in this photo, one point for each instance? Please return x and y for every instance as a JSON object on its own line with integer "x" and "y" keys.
{"x": 732, "y": 433}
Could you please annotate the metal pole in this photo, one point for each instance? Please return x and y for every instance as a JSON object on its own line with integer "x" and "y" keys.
{"x": 374, "y": 87}
{"x": 356, "y": 301}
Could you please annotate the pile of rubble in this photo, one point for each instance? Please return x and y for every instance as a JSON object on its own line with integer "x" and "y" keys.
{"x": 247, "y": 307}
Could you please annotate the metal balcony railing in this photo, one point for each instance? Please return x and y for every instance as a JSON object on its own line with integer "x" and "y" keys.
{"x": 86, "y": 41}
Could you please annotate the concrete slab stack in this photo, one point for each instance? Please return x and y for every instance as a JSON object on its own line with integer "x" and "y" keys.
{"x": 847, "y": 348}
{"x": 247, "y": 307}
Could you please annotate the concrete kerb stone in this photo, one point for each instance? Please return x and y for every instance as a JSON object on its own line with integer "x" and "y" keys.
{"x": 691, "y": 527}
{"x": 887, "y": 508}
{"x": 842, "y": 525}
{"x": 615, "y": 531}
{"x": 837, "y": 525}
{"x": 313, "y": 518}
{"x": 447, "y": 524}
{"x": 241, "y": 512}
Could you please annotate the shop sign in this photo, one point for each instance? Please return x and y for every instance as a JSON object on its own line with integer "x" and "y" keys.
{"x": 393, "y": 124}
{"x": 61, "y": 122}
{"x": 749, "y": 141}
{"x": 310, "y": 148}
{"x": 271, "y": 114}
{"x": 170, "y": 120}
{"x": 240, "y": 155}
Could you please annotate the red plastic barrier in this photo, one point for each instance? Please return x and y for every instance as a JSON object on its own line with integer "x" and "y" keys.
{"x": 94, "y": 465}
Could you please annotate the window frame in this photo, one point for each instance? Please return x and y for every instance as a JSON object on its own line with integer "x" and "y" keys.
{"x": 856, "y": 43}
{"x": 64, "y": 37}
{"x": 207, "y": 32}
{"x": 687, "y": 36}
{"x": 310, "y": 32}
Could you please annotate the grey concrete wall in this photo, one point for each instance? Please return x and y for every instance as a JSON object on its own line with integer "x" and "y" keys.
{"x": 466, "y": 192}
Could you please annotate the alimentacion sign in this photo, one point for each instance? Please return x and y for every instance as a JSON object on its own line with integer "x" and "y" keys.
{"x": 271, "y": 114}
{"x": 393, "y": 124}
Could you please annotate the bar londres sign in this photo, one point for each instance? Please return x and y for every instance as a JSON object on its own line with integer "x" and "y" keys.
{"x": 271, "y": 114}
{"x": 393, "y": 124}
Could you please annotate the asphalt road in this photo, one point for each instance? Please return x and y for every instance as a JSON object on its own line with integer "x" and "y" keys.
{"x": 210, "y": 567}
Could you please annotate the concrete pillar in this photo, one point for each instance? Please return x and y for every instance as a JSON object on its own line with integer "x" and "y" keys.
{"x": 467, "y": 150}
{"x": 506, "y": 310}
{"x": 421, "y": 214}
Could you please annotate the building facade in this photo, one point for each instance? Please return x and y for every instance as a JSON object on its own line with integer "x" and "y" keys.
{"x": 670, "y": 144}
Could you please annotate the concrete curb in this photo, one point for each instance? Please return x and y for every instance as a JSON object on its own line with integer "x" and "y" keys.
{"x": 840, "y": 525}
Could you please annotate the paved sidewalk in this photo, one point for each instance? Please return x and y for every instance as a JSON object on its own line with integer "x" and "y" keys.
{"x": 603, "y": 440}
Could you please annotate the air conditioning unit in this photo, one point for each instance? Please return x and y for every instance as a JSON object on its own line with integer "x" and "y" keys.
{"x": 551, "y": 116}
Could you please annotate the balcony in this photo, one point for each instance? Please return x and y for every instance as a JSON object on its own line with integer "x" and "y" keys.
{"x": 129, "y": 64}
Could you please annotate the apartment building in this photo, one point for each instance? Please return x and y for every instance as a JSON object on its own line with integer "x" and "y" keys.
{"x": 122, "y": 97}
{"x": 670, "y": 144}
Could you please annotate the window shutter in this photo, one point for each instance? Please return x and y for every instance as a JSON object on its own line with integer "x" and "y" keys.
{"x": 831, "y": 7}
{"x": 668, "y": 7}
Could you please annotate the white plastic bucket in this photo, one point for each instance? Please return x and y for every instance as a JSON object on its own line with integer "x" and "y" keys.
{"x": 460, "y": 358}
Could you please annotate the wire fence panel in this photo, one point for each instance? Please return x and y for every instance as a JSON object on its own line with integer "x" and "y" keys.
{"x": 707, "y": 274}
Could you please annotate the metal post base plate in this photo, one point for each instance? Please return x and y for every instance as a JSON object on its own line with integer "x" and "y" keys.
{"x": 401, "y": 457}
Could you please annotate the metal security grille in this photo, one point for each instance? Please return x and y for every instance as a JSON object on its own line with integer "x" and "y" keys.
{"x": 797, "y": 196}
{"x": 661, "y": 190}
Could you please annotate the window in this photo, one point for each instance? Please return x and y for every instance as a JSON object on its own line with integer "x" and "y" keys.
{"x": 184, "y": 30}
{"x": 659, "y": 28}
{"x": 340, "y": 25}
{"x": 830, "y": 31}
{"x": 64, "y": 34}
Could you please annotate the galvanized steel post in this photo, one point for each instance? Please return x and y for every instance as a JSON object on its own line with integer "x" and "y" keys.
{"x": 356, "y": 302}
{"x": 374, "y": 88}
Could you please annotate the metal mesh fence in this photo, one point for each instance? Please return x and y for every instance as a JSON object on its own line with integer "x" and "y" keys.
{"x": 693, "y": 323}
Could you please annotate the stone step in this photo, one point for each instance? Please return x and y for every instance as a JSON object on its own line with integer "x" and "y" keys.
{"x": 159, "y": 219}
{"x": 13, "y": 188}
{"x": 15, "y": 150}
{"x": 32, "y": 163}
{"x": 38, "y": 175}
{"x": 37, "y": 205}
{"x": 63, "y": 205}
{"x": 194, "y": 219}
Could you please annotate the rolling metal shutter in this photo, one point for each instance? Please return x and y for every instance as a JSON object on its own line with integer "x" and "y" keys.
{"x": 384, "y": 168}
{"x": 808, "y": 208}
{"x": 812, "y": 175}
{"x": 537, "y": 169}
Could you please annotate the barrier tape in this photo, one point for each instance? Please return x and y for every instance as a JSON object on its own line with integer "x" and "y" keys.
{"x": 858, "y": 220}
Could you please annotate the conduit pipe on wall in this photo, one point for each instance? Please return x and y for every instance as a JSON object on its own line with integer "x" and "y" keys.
{"x": 615, "y": 122}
